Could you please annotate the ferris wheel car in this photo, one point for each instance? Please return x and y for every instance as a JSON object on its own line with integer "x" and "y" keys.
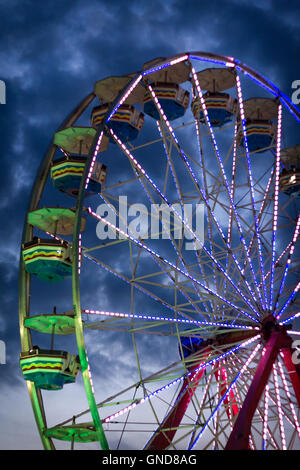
{"x": 126, "y": 122}
{"x": 221, "y": 107}
{"x": 48, "y": 259}
{"x": 49, "y": 369}
{"x": 66, "y": 175}
{"x": 259, "y": 127}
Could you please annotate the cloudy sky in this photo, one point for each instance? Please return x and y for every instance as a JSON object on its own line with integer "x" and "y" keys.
{"x": 50, "y": 57}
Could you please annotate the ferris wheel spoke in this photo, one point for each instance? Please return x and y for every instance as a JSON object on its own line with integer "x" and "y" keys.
{"x": 177, "y": 248}
{"x": 289, "y": 300}
{"x": 117, "y": 323}
{"x": 130, "y": 282}
{"x": 288, "y": 394}
{"x": 199, "y": 330}
{"x": 202, "y": 404}
{"x": 140, "y": 169}
{"x": 279, "y": 408}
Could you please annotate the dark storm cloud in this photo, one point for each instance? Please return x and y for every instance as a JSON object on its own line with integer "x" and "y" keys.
{"x": 50, "y": 57}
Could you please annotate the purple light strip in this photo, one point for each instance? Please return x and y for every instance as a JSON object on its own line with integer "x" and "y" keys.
{"x": 201, "y": 403}
{"x": 65, "y": 153}
{"x": 243, "y": 120}
{"x": 232, "y": 185}
{"x": 258, "y": 411}
{"x": 181, "y": 203}
{"x": 276, "y": 197}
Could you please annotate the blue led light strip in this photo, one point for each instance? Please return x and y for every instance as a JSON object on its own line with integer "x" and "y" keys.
{"x": 181, "y": 203}
{"x": 243, "y": 120}
{"x": 196, "y": 82}
{"x": 296, "y": 315}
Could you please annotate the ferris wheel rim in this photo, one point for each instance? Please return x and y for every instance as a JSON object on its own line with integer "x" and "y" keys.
{"x": 79, "y": 207}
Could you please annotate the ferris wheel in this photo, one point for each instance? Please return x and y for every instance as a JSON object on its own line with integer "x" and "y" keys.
{"x": 161, "y": 239}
